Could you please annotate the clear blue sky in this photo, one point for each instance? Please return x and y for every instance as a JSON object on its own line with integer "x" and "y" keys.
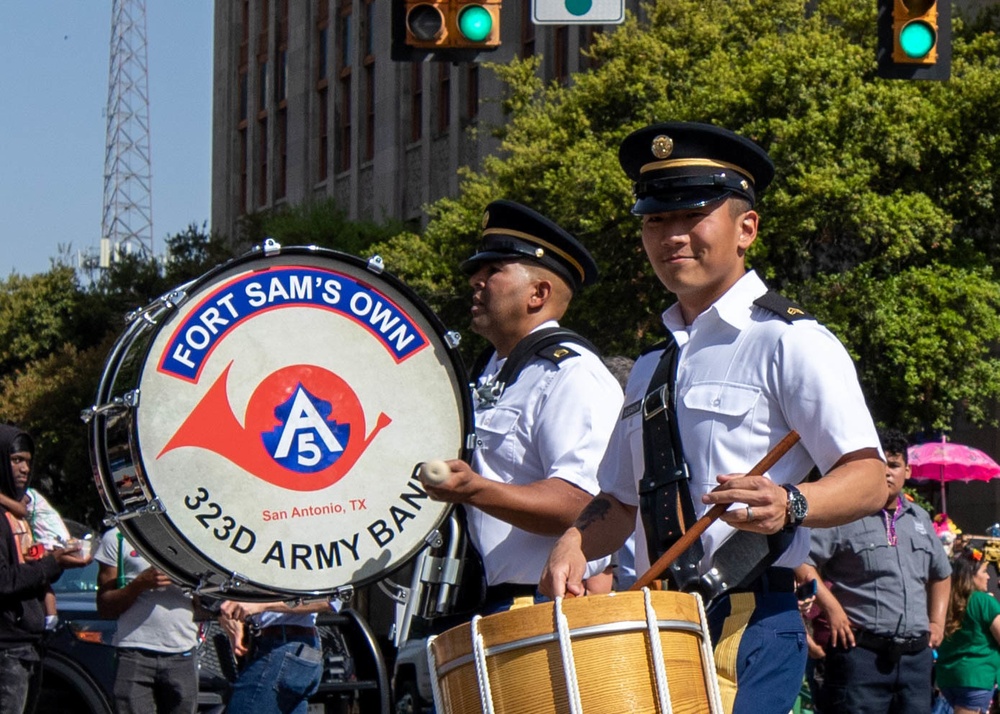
{"x": 55, "y": 58}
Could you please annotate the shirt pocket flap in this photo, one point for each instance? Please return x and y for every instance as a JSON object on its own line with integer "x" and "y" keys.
{"x": 499, "y": 420}
{"x": 724, "y": 398}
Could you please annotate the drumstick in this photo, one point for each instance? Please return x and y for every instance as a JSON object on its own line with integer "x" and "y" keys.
{"x": 434, "y": 472}
{"x": 694, "y": 532}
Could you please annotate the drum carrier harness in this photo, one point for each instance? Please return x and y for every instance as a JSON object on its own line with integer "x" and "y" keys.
{"x": 665, "y": 503}
{"x": 545, "y": 343}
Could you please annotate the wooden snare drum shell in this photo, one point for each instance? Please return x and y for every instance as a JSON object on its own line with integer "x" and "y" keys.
{"x": 614, "y": 667}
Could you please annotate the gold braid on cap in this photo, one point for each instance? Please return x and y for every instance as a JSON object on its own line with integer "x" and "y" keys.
{"x": 535, "y": 239}
{"x": 681, "y": 163}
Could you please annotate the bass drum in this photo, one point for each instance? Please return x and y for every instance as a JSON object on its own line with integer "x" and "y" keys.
{"x": 257, "y": 432}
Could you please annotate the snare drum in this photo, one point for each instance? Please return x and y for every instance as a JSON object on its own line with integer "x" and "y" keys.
{"x": 256, "y": 432}
{"x": 624, "y": 652}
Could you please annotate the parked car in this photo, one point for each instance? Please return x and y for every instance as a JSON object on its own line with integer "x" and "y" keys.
{"x": 80, "y": 662}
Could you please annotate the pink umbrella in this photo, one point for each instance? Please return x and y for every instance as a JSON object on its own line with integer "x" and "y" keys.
{"x": 945, "y": 461}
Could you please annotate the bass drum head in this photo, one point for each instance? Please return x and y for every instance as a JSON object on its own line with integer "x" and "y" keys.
{"x": 283, "y": 409}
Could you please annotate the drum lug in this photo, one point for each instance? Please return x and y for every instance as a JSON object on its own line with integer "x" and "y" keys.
{"x": 271, "y": 246}
{"x": 153, "y": 507}
{"x": 376, "y": 265}
{"x": 434, "y": 539}
{"x": 452, "y": 338}
{"x": 471, "y": 442}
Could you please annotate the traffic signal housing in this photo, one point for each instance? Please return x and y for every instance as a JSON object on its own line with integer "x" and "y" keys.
{"x": 914, "y": 39}
{"x": 444, "y": 30}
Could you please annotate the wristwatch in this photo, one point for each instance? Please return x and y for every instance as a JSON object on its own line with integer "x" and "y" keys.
{"x": 797, "y": 509}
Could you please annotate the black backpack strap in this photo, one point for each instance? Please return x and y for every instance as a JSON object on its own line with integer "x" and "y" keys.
{"x": 786, "y": 309}
{"x": 546, "y": 343}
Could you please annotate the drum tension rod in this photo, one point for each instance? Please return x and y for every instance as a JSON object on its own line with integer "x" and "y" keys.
{"x": 155, "y": 506}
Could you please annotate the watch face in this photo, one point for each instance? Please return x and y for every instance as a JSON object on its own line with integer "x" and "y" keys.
{"x": 797, "y": 504}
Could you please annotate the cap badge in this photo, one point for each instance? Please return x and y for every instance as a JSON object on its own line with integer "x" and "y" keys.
{"x": 486, "y": 219}
{"x": 539, "y": 252}
{"x": 744, "y": 185}
{"x": 663, "y": 146}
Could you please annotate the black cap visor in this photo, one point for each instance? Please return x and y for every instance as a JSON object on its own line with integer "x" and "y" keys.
{"x": 673, "y": 193}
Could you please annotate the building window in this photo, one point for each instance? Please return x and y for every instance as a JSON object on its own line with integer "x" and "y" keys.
{"x": 416, "y": 101}
{"x": 281, "y": 181}
{"x": 344, "y": 32}
{"x": 472, "y": 92}
{"x": 587, "y": 35}
{"x": 324, "y": 133}
{"x": 322, "y": 89}
{"x": 369, "y": 75}
{"x": 244, "y": 148}
{"x": 443, "y": 97}
{"x": 561, "y": 54}
{"x": 527, "y": 30}
{"x": 262, "y": 174}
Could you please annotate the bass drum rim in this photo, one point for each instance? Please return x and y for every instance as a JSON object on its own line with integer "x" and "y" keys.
{"x": 109, "y": 408}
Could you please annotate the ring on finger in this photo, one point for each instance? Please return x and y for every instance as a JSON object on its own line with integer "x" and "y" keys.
{"x": 749, "y": 514}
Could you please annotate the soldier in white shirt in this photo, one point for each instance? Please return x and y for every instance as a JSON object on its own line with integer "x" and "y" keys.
{"x": 749, "y": 367}
{"x": 541, "y": 437}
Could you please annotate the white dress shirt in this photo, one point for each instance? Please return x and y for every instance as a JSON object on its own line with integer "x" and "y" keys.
{"x": 745, "y": 378}
{"x": 553, "y": 422}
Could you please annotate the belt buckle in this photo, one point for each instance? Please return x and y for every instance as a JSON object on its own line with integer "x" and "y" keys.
{"x": 654, "y": 402}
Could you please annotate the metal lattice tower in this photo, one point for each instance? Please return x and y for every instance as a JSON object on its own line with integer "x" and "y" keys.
{"x": 127, "y": 223}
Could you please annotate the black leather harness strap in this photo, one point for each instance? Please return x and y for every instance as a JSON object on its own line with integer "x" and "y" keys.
{"x": 664, "y": 496}
{"x": 546, "y": 343}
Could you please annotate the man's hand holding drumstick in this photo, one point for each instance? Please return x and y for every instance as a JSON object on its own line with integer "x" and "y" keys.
{"x": 606, "y": 523}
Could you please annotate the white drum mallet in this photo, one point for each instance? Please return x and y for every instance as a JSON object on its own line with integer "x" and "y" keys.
{"x": 434, "y": 473}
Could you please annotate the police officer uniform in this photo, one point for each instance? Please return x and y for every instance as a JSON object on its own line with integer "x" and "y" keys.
{"x": 745, "y": 376}
{"x": 553, "y": 421}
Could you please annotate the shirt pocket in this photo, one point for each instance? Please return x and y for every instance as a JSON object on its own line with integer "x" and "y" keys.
{"x": 730, "y": 404}
{"x": 496, "y": 429}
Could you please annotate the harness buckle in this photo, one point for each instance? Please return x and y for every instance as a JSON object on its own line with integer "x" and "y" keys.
{"x": 654, "y": 402}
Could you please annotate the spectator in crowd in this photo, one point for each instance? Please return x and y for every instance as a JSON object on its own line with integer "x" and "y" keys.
{"x": 24, "y": 579}
{"x": 156, "y": 635}
{"x": 969, "y": 657}
{"x": 889, "y": 584}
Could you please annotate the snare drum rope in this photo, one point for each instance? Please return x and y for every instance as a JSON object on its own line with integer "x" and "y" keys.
{"x": 708, "y": 652}
{"x": 569, "y": 665}
{"x": 656, "y": 650}
{"x": 479, "y": 651}
{"x": 435, "y": 685}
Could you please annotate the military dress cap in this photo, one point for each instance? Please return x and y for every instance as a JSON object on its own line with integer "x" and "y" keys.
{"x": 512, "y": 231}
{"x": 679, "y": 165}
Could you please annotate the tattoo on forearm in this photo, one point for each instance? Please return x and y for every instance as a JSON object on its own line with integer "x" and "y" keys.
{"x": 595, "y": 511}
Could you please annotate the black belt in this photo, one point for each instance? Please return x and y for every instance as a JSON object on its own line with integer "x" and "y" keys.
{"x": 284, "y": 632}
{"x": 772, "y": 580}
{"x": 895, "y": 645}
{"x": 509, "y": 591}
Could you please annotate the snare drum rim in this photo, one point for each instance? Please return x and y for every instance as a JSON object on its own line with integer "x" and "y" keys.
{"x": 378, "y": 278}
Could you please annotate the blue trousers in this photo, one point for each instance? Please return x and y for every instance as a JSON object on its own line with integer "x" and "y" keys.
{"x": 279, "y": 678}
{"x": 760, "y": 651}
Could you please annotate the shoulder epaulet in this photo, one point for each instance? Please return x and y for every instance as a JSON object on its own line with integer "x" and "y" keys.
{"x": 781, "y": 306}
{"x": 556, "y": 353}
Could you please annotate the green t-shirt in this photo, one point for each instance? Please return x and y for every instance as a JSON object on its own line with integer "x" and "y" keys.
{"x": 971, "y": 657}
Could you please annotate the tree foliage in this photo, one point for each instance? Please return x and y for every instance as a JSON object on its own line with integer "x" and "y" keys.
{"x": 881, "y": 220}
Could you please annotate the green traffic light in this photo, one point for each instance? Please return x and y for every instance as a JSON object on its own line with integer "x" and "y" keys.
{"x": 475, "y": 23}
{"x": 916, "y": 39}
